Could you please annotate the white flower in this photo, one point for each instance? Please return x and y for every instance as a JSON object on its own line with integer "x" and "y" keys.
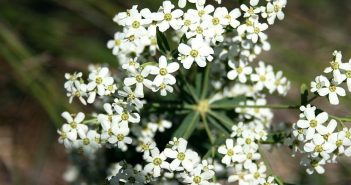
{"x": 117, "y": 43}
{"x": 255, "y": 31}
{"x": 67, "y": 135}
{"x": 132, "y": 97}
{"x": 240, "y": 70}
{"x": 337, "y": 67}
{"x": 119, "y": 136}
{"x": 274, "y": 10}
{"x": 231, "y": 153}
{"x": 90, "y": 141}
{"x": 232, "y": 16}
{"x": 189, "y": 20}
{"x": 156, "y": 162}
{"x": 340, "y": 140}
{"x": 197, "y": 51}
{"x": 80, "y": 91}
{"x": 263, "y": 77}
{"x": 314, "y": 164}
{"x": 159, "y": 124}
{"x": 163, "y": 88}
{"x": 257, "y": 172}
{"x": 313, "y": 123}
{"x": 99, "y": 80}
{"x": 254, "y": 2}
{"x": 75, "y": 123}
{"x": 333, "y": 91}
{"x": 268, "y": 181}
{"x": 163, "y": 72}
{"x": 319, "y": 82}
{"x": 169, "y": 18}
{"x": 139, "y": 79}
{"x": 126, "y": 116}
{"x": 145, "y": 145}
{"x": 180, "y": 156}
{"x": 319, "y": 147}
{"x": 182, "y": 3}
{"x": 250, "y": 12}
{"x": 132, "y": 65}
{"x": 197, "y": 177}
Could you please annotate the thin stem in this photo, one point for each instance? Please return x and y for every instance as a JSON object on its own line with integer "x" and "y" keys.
{"x": 255, "y": 106}
{"x": 193, "y": 94}
{"x": 205, "y": 82}
{"x": 207, "y": 128}
{"x": 265, "y": 160}
{"x": 171, "y": 106}
{"x": 313, "y": 98}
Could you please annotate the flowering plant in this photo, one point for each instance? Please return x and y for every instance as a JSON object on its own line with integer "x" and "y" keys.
{"x": 189, "y": 72}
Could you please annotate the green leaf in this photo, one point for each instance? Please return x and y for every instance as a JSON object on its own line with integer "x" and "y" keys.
{"x": 222, "y": 118}
{"x": 228, "y": 103}
{"x": 162, "y": 42}
{"x": 187, "y": 126}
{"x": 214, "y": 123}
{"x": 304, "y": 94}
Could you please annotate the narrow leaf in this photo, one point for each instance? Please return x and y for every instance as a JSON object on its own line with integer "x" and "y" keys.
{"x": 222, "y": 118}
{"x": 187, "y": 126}
{"x": 162, "y": 42}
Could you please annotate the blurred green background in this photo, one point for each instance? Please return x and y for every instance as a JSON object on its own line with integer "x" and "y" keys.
{"x": 40, "y": 40}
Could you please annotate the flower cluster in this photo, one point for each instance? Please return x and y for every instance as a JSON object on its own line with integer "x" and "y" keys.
{"x": 320, "y": 138}
{"x": 174, "y": 162}
{"x": 323, "y": 137}
{"x": 332, "y": 87}
{"x": 99, "y": 83}
{"x": 208, "y": 43}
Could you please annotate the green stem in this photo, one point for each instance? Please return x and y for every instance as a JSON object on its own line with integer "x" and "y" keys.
{"x": 191, "y": 90}
{"x": 171, "y": 106}
{"x": 265, "y": 160}
{"x": 205, "y": 82}
{"x": 207, "y": 128}
{"x": 255, "y": 106}
{"x": 313, "y": 98}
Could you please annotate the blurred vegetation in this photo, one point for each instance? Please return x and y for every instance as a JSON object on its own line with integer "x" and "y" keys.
{"x": 40, "y": 40}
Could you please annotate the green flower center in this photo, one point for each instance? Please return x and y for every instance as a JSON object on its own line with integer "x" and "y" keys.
{"x": 313, "y": 123}
{"x": 187, "y": 22}
{"x": 230, "y": 152}
{"x": 339, "y": 142}
{"x": 139, "y": 78}
{"x": 86, "y": 141}
{"x": 73, "y": 125}
{"x": 120, "y": 137}
{"x": 314, "y": 163}
{"x": 136, "y": 24}
{"x": 168, "y": 17}
{"x": 201, "y": 13}
{"x": 118, "y": 42}
{"x": 194, "y": 53}
{"x": 262, "y": 78}
{"x": 199, "y": 30}
{"x": 215, "y": 21}
{"x": 332, "y": 88}
{"x": 348, "y": 74}
{"x": 98, "y": 80}
{"x": 248, "y": 141}
{"x": 276, "y": 8}
{"x": 157, "y": 161}
{"x": 131, "y": 38}
{"x": 318, "y": 148}
{"x": 197, "y": 179}
{"x": 163, "y": 71}
{"x": 257, "y": 30}
{"x": 125, "y": 116}
{"x": 334, "y": 65}
{"x": 181, "y": 156}
{"x": 239, "y": 70}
